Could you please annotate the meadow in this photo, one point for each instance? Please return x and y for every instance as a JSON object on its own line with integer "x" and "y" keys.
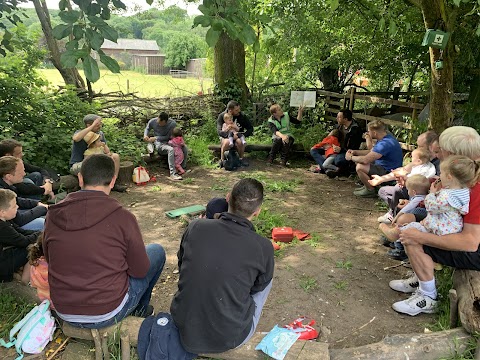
{"x": 141, "y": 84}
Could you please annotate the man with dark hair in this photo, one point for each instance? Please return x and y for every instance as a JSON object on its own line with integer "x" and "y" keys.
{"x": 99, "y": 269}
{"x": 351, "y": 139}
{"x": 162, "y": 127}
{"x": 243, "y": 123}
{"x": 381, "y": 158}
{"x": 37, "y": 182}
{"x": 30, "y": 212}
{"x": 93, "y": 123}
{"x": 226, "y": 272}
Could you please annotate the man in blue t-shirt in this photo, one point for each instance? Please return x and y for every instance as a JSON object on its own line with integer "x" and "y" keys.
{"x": 379, "y": 159}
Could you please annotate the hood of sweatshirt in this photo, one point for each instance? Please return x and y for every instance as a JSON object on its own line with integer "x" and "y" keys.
{"x": 82, "y": 210}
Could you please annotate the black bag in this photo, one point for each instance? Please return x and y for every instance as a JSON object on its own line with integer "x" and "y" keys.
{"x": 232, "y": 160}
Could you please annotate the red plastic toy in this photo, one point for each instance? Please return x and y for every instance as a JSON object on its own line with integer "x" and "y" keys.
{"x": 307, "y": 332}
{"x": 283, "y": 234}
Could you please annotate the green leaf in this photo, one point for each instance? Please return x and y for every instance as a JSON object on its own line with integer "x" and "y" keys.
{"x": 105, "y": 15}
{"x": 334, "y": 4}
{"x": 457, "y": 2}
{"x": 249, "y": 35}
{"x": 381, "y": 24}
{"x": 256, "y": 46}
{"x": 93, "y": 9}
{"x": 408, "y": 26}
{"x": 203, "y": 20}
{"x": 392, "y": 28}
{"x": 68, "y": 59}
{"x": 7, "y": 35}
{"x": 120, "y": 5}
{"x": 61, "y": 31}
{"x": 150, "y": 2}
{"x": 70, "y": 16}
{"x": 110, "y": 63}
{"x": 96, "y": 21}
{"x": 62, "y": 5}
{"x": 108, "y": 32}
{"x": 217, "y": 25}
{"x": 94, "y": 38}
{"x": 478, "y": 30}
{"x": 212, "y": 37}
{"x": 231, "y": 30}
{"x": 90, "y": 67}
{"x": 204, "y": 10}
{"x": 77, "y": 31}
{"x": 71, "y": 45}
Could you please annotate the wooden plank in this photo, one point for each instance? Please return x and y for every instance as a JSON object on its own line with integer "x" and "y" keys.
{"x": 301, "y": 350}
{"x": 328, "y": 117}
{"x": 375, "y": 99}
{"x": 332, "y": 102}
{"x": 330, "y": 93}
{"x": 386, "y": 121}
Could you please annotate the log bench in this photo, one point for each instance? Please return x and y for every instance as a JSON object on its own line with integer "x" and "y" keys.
{"x": 429, "y": 346}
{"x": 259, "y": 147}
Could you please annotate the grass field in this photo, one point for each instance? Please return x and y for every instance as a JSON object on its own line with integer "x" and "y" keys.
{"x": 141, "y": 84}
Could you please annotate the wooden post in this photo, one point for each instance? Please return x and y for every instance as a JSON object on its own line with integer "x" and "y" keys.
{"x": 352, "y": 98}
{"x": 106, "y": 353}
{"x": 125, "y": 172}
{"x": 125, "y": 345}
{"x": 98, "y": 344}
{"x": 452, "y": 295}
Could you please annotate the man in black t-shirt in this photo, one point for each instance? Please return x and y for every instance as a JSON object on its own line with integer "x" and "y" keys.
{"x": 243, "y": 123}
{"x": 226, "y": 272}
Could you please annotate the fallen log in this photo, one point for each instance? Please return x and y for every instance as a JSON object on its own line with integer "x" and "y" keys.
{"x": 258, "y": 147}
{"x": 467, "y": 285}
{"x": 430, "y": 346}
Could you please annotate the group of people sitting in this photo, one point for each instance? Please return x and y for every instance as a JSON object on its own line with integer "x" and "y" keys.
{"x": 433, "y": 201}
{"x": 91, "y": 261}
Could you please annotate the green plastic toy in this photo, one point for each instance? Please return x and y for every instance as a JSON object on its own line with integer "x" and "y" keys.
{"x": 189, "y": 210}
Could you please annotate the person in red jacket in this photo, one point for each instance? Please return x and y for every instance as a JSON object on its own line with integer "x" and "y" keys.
{"x": 328, "y": 145}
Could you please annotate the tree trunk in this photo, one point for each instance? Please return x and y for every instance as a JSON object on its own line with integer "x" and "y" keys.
{"x": 229, "y": 59}
{"x": 441, "y": 97}
{"x": 70, "y": 76}
{"x": 329, "y": 78}
{"x": 467, "y": 285}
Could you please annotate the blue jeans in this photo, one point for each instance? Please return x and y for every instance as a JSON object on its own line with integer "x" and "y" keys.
{"x": 139, "y": 289}
{"x": 34, "y": 177}
{"x": 36, "y": 225}
{"x": 319, "y": 156}
{"x": 28, "y": 180}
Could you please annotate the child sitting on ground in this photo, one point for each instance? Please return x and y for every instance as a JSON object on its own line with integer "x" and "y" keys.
{"x": 95, "y": 145}
{"x": 232, "y": 128}
{"x": 447, "y": 205}
{"x": 13, "y": 240}
{"x": 327, "y": 143}
{"x": 177, "y": 143}
{"x": 39, "y": 270}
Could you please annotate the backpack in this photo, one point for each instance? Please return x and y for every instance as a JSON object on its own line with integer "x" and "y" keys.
{"x": 35, "y": 331}
{"x": 232, "y": 160}
{"x": 140, "y": 175}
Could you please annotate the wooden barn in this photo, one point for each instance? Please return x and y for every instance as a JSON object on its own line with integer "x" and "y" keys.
{"x": 151, "y": 64}
{"x": 196, "y": 67}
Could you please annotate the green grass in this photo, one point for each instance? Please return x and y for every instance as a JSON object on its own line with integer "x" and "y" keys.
{"x": 267, "y": 220}
{"x": 308, "y": 283}
{"x": 273, "y": 185}
{"x": 12, "y": 310}
{"x": 444, "y": 282}
{"x": 143, "y": 85}
{"x": 155, "y": 188}
{"x": 344, "y": 264}
{"x": 341, "y": 285}
{"x": 314, "y": 241}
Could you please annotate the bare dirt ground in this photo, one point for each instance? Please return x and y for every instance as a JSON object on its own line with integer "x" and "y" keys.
{"x": 339, "y": 281}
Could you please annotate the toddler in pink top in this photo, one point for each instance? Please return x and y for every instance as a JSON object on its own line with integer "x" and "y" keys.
{"x": 177, "y": 143}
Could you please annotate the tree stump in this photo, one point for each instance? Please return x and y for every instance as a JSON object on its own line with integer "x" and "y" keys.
{"x": 125, "y": 172}
{"x": 467, "y": 285}
{"x": 68, "y": 183}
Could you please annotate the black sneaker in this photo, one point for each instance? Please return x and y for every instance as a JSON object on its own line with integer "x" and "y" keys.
{"x": 144, "y": 312}
{"x": 244, "y": 163}
{"x": 397, "y": 254}
{"x": 119, "y": 188}
{"x": 385, "y": 242}
{"x": 332, "y": 173}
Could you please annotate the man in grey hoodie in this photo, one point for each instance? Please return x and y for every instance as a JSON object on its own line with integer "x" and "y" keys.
{"x": 162, "y": 127}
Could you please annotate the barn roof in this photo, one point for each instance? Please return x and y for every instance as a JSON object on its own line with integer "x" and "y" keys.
{"x": 131, "y": 44}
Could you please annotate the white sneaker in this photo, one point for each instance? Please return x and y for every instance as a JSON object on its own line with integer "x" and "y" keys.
{"x": 416, "y": 304}
{"x": 176, "y": 177}
{"x": 386, "y": 219}
{"x": 150, "y": 148}
{"x": 407, "y": 286}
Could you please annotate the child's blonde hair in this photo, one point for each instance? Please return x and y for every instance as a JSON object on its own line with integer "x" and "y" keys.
{"x": 465, "y": 170}
{"x": 6, "y": 196}
{"x": 35, "y": 251}
{"x": 177, "y": 132}
{"x": 227, "y": 116}
{"x": 418, "y": 183}
{"x": 423, "y": 154}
